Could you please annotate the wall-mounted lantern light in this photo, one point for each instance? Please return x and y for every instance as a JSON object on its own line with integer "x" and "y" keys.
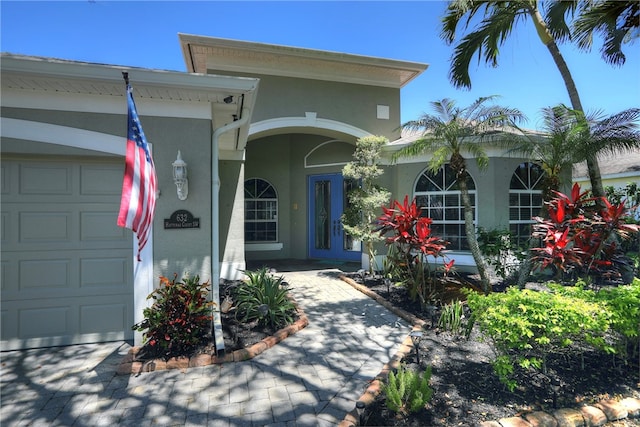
{"x": 180, "y": 177}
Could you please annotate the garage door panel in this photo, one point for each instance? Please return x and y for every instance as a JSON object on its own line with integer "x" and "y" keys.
{"x": 101, "y": 180}
{"x": 5, "y": 275}
{"x": 46, "y": 178}
{"x": 5, "y": 176}
{"x": 44, "y": 322}
{"x": 105, "y": 272}
{"x": 4, "y": 221}
{"x": 101, "y": 225}
{"x": 104, "y": 318}
{"x": 45, "y": 227}
{"x": 49, "y": 275}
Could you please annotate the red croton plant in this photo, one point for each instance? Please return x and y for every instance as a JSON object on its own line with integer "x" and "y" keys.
{"x": 582, "y": 239}
{"x": 410, "y": 234}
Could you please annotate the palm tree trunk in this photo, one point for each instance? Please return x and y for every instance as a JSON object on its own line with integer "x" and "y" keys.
{"x": 471, "y": 234}
{"x": 543, "y": 33}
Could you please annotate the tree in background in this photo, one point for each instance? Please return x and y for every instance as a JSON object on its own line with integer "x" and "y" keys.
{"x": 499, "y": 18}
{"x": 365, "y": 199}
{"x": 617, "y": 21}
{"x": 451, "y": 133}
{"x": 571, "y": 136}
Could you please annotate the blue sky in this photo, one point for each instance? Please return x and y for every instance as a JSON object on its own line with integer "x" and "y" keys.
{"x": 145, "y": 34}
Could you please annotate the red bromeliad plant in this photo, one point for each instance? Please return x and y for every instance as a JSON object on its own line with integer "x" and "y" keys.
{"x": 410, "y": 234}
{"x": 580, "y": 238}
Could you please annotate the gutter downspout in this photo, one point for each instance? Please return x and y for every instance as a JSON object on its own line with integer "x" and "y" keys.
{"x": 215, "y": 226}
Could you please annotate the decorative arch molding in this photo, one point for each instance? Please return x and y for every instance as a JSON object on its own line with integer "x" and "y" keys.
{"x": 63, "y": 135}
{"x": 327, "y": 127}
{"x": 311, "y": 162}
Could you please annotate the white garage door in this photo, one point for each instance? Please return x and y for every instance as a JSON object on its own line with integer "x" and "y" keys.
{"x": 66, "y": 265}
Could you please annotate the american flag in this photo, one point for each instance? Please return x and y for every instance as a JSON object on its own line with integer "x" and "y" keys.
{"x": 138, "y": 201}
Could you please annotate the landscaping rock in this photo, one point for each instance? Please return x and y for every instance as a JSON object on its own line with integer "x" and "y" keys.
{"x": 632, "y": 406}
{"x": 568, "y": 417}
{"x": 541, "y": 419}
{"x": 613, "y": 409}
{"x": 593, "y": 417}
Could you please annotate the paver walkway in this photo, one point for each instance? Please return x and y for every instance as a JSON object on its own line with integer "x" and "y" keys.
{"x": 312, "y": 378}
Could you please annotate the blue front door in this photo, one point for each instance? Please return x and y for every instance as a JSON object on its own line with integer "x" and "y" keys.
{"x": 327, "y": 200}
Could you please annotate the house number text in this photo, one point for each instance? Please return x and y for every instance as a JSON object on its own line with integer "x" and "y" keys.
{"x": 181, "y": 219}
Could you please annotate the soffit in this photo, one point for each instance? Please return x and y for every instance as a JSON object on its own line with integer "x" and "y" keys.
{"x": 54, "y": 75}
{"x": 208, "y": 53}
{"x": 226, "y": 98}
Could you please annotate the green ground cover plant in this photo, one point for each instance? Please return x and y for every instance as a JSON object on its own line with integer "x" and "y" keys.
{"x": 526, "y": 326}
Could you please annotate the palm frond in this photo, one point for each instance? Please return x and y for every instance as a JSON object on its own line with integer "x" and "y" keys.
{"x": 556, "y": 14}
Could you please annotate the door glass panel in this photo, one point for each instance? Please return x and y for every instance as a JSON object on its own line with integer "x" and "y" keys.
{"x": 348, "y": 243}
{"x": 322, "y": 235}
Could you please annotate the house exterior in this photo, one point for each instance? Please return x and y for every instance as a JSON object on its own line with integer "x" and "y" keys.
{"x": 265, "y": 131}
{"x": 617, "y": 170}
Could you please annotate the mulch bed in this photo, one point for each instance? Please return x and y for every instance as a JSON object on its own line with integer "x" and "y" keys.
{"x": 467, "y": 392}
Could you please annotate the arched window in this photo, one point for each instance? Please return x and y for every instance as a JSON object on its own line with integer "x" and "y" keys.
{"x": 439, "y": 197}
{"x": 260, "y": 211}
{"x": 525, "y": 199}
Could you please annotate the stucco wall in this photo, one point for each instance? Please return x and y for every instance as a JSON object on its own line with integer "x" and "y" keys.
{"x": 182, "y": 251}
{"x": 347, "y": 103}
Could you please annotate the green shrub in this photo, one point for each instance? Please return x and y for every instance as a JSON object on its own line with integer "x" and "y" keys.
{"x": 180, "y": 318}
{"x": 622, "y": 304}
{"x": 407, "y": 391}
{"x": 525, "y": 326}
{"x": 264, "y": 298}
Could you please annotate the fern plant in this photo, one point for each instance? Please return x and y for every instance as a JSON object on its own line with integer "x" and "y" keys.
{"x": 407, "y": 391}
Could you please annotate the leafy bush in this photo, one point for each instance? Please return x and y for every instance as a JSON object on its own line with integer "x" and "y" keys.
{"x": 180, "y": 318}
{"x": 264, "y": 298}
{"x": 501, "y": 251}
{"x": 407, "y": 391}
{"x": 582, "y": 239}
{"x": 622, "y": 304}
{"x": 410, "y": 234}
{"x": 525, "y": 326}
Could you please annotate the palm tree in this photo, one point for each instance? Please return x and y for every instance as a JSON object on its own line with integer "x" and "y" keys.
{"x": 553, "y": 150}
{"x": 570, "y": 136}
{"x": 616, "y": 21}
{"x": 498, "y": 20}
{"x": 450, "y": 134}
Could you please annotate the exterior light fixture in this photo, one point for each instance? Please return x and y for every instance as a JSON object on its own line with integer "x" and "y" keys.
{"x": 555, "y": 386}
{"x": 416, "y": 337}
{"x": 432, "y": 313}
{"x": 360, "y": 410}
{"x": 180, "y": 177}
